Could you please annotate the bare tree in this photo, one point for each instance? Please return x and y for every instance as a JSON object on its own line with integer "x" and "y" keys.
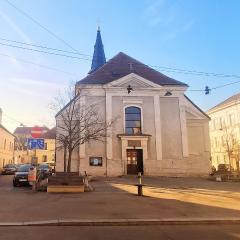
{"x": 77, "y": 123}
{"x": 230, "y": 144}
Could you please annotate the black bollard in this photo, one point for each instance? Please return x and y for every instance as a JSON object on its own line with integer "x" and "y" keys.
{"x": 140, "y": 191}
{"x": 139, "y": 185}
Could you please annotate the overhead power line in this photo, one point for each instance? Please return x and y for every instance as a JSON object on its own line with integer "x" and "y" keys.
{"x": 37, "y": 64}
{"x": 167, "y": 69}
{"x": 44, "y": 47}
{"x": 206, "y": 90}
{"x": 225, "y": 85}
{"x": 41, "y": 25}
{"x": 47, "y": 52}
{"x": 163, "y": 68}
{"x": 13, "y": 119}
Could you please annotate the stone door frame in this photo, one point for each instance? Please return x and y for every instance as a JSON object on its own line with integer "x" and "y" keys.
{"x": 143, "y": 139}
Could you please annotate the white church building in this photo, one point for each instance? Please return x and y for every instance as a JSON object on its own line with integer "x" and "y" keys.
{"x": 158, "y": 129}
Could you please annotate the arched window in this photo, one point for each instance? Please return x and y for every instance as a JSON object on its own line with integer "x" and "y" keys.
{"x": 133, "y": 120}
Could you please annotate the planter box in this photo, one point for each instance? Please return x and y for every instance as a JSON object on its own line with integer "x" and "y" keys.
{"x": 65, "y": 183}
{"x": 65, "y": 188}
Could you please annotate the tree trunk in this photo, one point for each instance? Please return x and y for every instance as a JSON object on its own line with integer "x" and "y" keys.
{"x": 69, "y": 161}
{"x": 65, "y": 159}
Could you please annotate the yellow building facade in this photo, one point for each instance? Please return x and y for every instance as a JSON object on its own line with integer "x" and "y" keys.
{"x": 24, "y": 155}
{"x": 225, "y": 132}
{"x": 46, "y": 155}
{"x": 6, "y": 146}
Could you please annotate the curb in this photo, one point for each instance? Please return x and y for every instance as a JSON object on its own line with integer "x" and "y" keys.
{"x": 121, "y": 222}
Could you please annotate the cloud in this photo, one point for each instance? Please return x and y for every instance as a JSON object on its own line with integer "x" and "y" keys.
{"x": 19, "y": 31}
{"x": 15, "y": 27}
{"x": 159, "y": 12}
{"x": 154, "y": 8}
{"x": 169, "y": 17}
{"x": 35, "y": 83}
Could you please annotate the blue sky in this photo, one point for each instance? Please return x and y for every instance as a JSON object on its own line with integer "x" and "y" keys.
{"x": 194, "y": 35}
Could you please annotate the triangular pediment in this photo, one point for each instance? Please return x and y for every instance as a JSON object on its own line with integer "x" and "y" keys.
{"x": 193, "y": 111}
{"x": 133, "y": 80}
{"x": 192, "y": 115}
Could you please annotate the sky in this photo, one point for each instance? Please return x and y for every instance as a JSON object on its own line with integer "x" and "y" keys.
{"x": 184, "y": 34}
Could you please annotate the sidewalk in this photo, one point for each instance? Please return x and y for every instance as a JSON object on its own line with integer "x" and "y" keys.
{"x": 115, "y": 199}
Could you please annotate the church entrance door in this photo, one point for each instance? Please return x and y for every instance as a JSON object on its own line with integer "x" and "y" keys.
{"x": 134, "y": 161}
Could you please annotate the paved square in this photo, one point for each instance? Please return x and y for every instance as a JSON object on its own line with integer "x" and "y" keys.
{"x": 115, "y": 198}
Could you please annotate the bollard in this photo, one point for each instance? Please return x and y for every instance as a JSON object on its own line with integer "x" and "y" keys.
{"x": 140, "y": 185}
{"x": 140, "y": 178}
{"x": 140, "y": 192}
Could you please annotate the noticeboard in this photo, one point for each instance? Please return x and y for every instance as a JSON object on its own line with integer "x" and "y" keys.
{"x": 95, "y": 161}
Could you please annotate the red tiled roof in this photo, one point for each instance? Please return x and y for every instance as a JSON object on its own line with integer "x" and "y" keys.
{"x": 27, "y": 130}
{"x": 51, "y": 134}
{"x": 122, "y": 65}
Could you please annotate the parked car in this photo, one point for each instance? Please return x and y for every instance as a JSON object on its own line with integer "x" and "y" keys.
{"x": 224, "y": 167}
{"x": 52, "y": 166}
{"x": 21, "y": 176}
{"x": 45, "y": 169}
{"x": 9, "y": 169}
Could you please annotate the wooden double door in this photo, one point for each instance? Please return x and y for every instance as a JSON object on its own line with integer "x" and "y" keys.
{"x": 134, "y": 161}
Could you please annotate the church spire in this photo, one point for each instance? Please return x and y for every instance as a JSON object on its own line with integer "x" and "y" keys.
{"x": 98, "y": 56}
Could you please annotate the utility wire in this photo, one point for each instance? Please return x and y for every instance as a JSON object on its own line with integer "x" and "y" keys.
{"x": 87, "y": 59}
{"x": 163, "y": 68}
{"x": 40, "y": 25}
{"x": 225, "y": 85}
{"x": 43, "y": 47}
{"x": 13, "y": 119}
{"x": 184, "y": 71}
{"x": 47, "y": 52}
{"x": 37, "y": 64}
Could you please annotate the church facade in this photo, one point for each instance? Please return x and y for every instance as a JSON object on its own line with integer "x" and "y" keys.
{"x": 158, "y": 130}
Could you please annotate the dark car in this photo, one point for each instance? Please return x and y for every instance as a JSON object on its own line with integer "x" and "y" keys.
{"x": 45, "y": 169}
{"x": 21, "y": 176}
{"x": 9, "y": 169}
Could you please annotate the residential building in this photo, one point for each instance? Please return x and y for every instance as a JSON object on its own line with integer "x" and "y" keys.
{"x": 47, "y": 155}
{"x": 6, "y": 145}
{"x": 22, "y": 153}
{"x": 157, "y": 130}
{"x": 225, "y": 132}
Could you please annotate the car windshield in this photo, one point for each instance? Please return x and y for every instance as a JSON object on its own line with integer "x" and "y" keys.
{"x": 24, "y": 168}
{"x": 9, "y": 166}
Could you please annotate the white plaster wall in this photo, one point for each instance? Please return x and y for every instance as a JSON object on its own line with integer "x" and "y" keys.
{"x": 171, "y": 129}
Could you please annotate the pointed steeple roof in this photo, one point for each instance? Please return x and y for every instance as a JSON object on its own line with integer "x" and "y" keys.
{"x": 98, "y": 56}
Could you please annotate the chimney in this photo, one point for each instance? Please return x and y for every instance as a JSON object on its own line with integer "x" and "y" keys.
{"x": 0, "y": 116}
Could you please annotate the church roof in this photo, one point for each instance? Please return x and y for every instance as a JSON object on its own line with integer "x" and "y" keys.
{"x": 122, "y": 65}
{"x": 99, "y": 58}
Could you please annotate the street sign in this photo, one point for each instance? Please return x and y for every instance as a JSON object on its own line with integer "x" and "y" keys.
{"x": 35, "y": 143}
{"x": 36, "y": 132}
